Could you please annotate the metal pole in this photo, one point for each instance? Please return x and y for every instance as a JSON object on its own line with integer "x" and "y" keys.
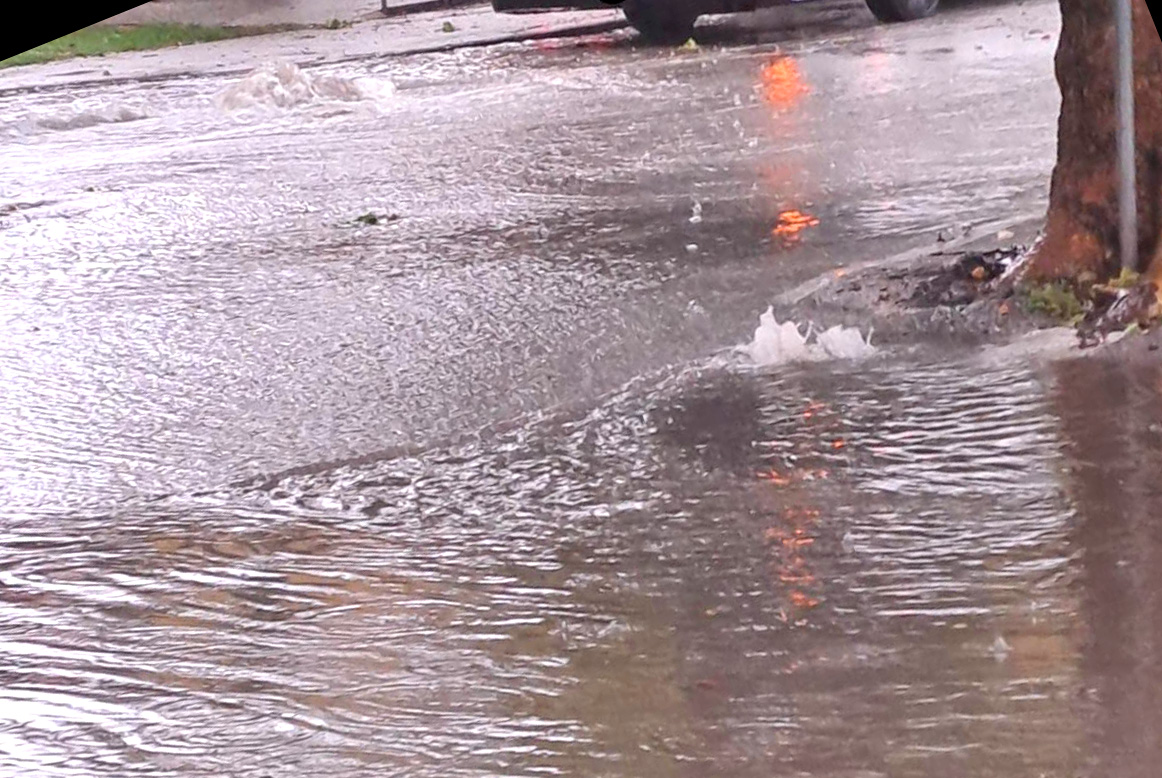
{"x": 1127, "y": 168}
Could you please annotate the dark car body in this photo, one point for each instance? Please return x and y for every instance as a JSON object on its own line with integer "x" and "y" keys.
{"x": 704, "y": 6}
{"x": 669, "y": 20}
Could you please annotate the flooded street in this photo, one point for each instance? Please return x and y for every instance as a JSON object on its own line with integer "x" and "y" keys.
{"x": 839, "y": 572}
{"x": 379, "y": 418}
{"x": 189, "y": 298}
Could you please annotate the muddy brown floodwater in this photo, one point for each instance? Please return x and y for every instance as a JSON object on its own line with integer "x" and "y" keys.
{"x": 933, "y": 568}
{"x": 473, "y": 490}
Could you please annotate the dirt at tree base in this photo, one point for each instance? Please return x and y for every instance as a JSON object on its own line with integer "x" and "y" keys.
{"x": 969, "y": 297}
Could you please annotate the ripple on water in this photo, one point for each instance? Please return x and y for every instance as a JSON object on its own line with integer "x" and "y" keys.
{"x": 736, "y": 571}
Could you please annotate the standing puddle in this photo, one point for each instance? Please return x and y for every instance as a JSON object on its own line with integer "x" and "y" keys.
{"x": 833, "y": 570}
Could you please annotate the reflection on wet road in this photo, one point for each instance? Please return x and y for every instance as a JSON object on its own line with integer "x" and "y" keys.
{"x": 188, "y": 294}
{"x": 520, "y": 523}
{"x": 691, "y": 576}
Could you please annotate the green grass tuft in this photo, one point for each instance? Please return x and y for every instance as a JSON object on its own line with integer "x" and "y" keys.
{"x": 97, "y": 40}
{"x": 1056, "y": 301}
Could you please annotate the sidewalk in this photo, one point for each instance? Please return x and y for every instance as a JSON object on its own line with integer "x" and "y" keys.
{"x": 414, "y": 33}
{"x": 262, "y": 13}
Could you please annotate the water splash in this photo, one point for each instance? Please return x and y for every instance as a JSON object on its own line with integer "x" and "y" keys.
{"x": 841, "y": 342}
{"x": 76, "y": 115}
{"x": 776, "y": 343}
{"x": 285, "y": 85}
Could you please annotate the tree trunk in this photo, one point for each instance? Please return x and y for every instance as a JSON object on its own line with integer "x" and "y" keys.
{"x": 1081, "y": 232}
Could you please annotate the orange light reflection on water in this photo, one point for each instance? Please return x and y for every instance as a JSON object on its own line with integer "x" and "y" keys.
{"x": 782, "y": 82}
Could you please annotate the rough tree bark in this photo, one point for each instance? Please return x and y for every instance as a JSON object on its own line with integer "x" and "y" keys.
{"x": 1081, "y": 232}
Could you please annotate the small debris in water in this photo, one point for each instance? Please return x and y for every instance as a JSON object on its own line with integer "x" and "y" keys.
{"x": 448, "y": 27}
{"x": 1118, "y": 310}
{"x": 966, "y": 280}
{"x": 1001, "y": 649}
{"x": 371, "y": 218}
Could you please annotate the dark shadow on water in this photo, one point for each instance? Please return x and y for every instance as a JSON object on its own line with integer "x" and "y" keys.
{"x": 1112, "y": 417}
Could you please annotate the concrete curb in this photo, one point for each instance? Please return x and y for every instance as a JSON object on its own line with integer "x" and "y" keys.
{"x": 572, "y": 31}
{"x": 300, "y": 13}
{"x": 424, "y": 6}
{"x": 854, "y": 297}
{"x": 982, "y": 238}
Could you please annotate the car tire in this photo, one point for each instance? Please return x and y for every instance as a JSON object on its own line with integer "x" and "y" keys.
{"x": 902, "y": 10}
{"x": 661, "y": 21}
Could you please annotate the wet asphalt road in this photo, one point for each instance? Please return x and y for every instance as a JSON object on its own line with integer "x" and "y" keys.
{"x": 569, "y": 541}
{"x": 189, "y": 301}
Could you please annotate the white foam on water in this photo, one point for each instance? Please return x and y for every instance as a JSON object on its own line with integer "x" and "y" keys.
{"x": 776, "y": 343}
{"x": 76, "y": 115}
{"x": 841, "y": 342}
{"x": 284, "y": 85}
